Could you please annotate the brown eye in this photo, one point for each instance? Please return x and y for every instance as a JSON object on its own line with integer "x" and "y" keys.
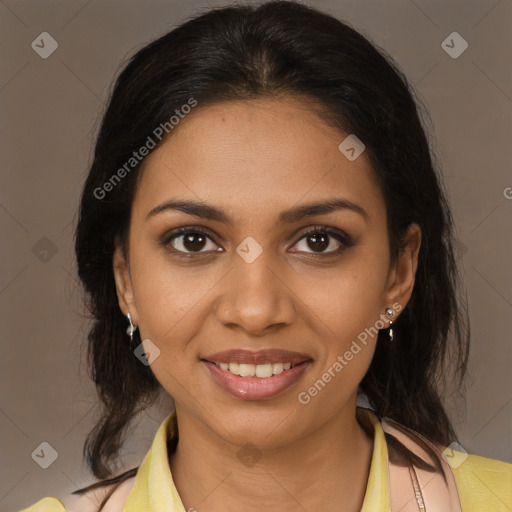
{"x": 320, "y": 239}
{"x": 189, "y": 241}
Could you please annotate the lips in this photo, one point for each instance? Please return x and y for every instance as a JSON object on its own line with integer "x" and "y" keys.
{"x": 288, "y": 367}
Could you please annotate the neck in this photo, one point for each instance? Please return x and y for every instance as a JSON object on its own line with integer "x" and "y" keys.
{"x": 327, "y": 469}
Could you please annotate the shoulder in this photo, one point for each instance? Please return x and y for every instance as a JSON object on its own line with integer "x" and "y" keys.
{"x": 49, "y": 504}
{"x": 482, "y": 482}
{"x": 87, "y": 502}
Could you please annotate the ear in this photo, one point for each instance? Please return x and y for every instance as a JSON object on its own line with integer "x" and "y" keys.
{"x": 124, "y": 284}
{"x": 402, "y": 275}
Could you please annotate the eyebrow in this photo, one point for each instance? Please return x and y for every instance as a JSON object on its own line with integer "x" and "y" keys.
{"x": 206, "y": 211}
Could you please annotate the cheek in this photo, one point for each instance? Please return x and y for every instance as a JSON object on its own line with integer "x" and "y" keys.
{"x": 347, "y": 309}
{"x": 346, "y": 299}
{"x": 347, "y": 323}
{"x": 165, "y": 302}
{"x": 163, "y": 296}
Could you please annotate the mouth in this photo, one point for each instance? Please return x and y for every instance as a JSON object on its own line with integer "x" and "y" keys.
{"x": 256, "y": 375}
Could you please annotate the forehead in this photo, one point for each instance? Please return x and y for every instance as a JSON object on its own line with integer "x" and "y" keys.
{"x": 245, "y": 154}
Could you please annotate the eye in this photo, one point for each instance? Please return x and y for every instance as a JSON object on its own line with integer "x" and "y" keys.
{"x": 189, "y": 240}
{"x": 321, "y": 238}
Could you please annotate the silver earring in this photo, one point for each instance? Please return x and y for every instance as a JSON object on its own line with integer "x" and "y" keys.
{"x": 131, "y": 328}
{"x": 390, "y": 314}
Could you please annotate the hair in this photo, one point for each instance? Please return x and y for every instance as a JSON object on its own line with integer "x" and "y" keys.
{"x": 273, "y": 50}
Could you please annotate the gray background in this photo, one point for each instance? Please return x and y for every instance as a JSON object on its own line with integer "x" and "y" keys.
{"x": 49, "y": 116}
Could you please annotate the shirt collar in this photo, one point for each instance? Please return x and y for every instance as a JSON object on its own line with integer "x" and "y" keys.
{"x": 154, "y": 489}
{"x": 377, "y": 496}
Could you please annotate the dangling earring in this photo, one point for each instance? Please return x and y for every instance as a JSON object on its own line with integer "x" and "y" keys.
{"x": 131, "y": 328}
{"x": 390, "y": 314}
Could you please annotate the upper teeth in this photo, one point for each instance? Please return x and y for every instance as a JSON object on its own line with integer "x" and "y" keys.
{"x": 255, "y": 370}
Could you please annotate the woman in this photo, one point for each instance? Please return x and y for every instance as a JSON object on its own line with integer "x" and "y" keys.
{"x": 263, "y": 235}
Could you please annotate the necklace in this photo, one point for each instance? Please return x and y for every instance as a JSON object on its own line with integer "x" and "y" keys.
{"x": 417, "y": 489}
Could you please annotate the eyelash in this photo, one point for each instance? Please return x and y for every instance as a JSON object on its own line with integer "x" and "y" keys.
{"x": 341, "y": 237}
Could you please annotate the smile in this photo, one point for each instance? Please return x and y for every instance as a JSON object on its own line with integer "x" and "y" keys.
{"x": 256, "y": 381}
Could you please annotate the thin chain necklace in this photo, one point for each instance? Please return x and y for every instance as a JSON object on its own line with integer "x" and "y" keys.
{"x": 417, "y": 489}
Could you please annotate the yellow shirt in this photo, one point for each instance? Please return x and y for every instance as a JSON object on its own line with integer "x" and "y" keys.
{"x": 484, "y": 485}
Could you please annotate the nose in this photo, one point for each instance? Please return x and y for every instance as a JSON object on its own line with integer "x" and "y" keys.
{"x": 255, "y": 297}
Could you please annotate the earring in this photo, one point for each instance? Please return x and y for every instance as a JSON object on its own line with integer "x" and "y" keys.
{"x": 131, "y": 328}
{"x": 390, "y": 314}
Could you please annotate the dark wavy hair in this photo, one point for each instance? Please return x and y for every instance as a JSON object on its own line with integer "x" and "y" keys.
{"x": 275, "y": 49}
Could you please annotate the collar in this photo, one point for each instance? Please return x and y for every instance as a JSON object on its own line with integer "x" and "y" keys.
{"x": 154, "y": 489}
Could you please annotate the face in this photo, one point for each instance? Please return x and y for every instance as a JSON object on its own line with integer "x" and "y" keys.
{"x": 249, "y": 277}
